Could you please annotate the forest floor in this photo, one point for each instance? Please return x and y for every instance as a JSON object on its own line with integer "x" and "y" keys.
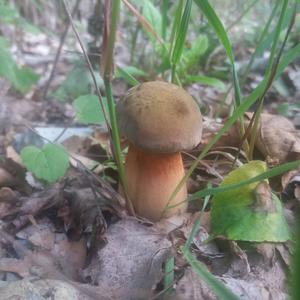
{"x": 74, "y": 239}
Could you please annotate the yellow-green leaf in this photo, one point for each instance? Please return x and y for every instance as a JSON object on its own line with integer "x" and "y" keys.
{"x": 251, "y": 212}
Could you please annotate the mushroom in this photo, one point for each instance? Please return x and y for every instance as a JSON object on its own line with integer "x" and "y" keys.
{"x": 159, "y": 120}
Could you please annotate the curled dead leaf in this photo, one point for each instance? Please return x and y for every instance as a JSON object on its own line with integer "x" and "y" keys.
{"x": 6, "y": 179}
{"x": 277, "y": 138}
{"x": 263, "y": 195}
{"x": 8, "y": 200}
{"x": 291, "y": 185}
{"x": 12, "y": 175}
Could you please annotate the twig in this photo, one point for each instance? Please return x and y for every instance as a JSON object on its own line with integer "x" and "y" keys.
{"x": 88, "y": 64}
{"x": 61, "y": 43}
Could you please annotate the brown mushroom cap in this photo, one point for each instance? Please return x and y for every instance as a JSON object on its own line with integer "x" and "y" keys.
{"x": 160, "y": 117}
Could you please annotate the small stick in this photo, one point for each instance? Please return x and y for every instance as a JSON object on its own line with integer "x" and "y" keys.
{"x": 89, "y": 65}
{"x": 61, "y": 43}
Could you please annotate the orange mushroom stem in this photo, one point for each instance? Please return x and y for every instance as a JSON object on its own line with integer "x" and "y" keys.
{"x": 152, "y": 178}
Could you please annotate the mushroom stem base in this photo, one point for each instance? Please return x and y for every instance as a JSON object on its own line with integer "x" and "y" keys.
{"x": 152, "y": 178}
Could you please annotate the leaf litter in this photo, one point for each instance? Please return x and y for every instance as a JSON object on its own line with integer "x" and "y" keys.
{"x": 73, "y": 240}
{"x": 52, "y": 236}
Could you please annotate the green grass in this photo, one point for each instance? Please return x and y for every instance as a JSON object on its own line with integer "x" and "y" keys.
{"x": 221, "y": 33}
{"x": 169, "y": 276}
{"x": 180, "y": 38}
{"x": 217, "y": 287}
{"x": 197, "y": 223}
{"x": 107, "y": 67}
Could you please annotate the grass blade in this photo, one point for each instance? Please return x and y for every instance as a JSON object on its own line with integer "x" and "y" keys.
{"x": 289, "y": 57}
{"x": 176, "y": 23}
{"x": 145, "y": 24}
{"x": 112, "y": 12}
{"x": 126, "y": 76}
{"x": 181, "y": 33}
{"x": 164, "y": 14}
{"x": 180, "y": 36}
{"x": 259, "y": 43}
{"x": 268, "y": 174}
{"x": 196, "y": 224}
{"x": 271, "y": 71}
{"x": 169, "y": 275}
{"x": 221, "y": 291}
{"x": 111, "y": 21}
{"x": 206, "y": 80}
{"x": 220, "y": 31}
{"x": 276, "y": 38}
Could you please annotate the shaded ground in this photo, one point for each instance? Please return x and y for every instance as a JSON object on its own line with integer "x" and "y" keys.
{"x": 74, "y": 240}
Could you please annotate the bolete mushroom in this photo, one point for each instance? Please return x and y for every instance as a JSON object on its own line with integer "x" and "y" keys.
{"x": 159, "y": 120}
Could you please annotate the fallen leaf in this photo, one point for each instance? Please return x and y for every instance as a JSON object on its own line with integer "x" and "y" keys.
{"x": 71, "y": 256}
{"x": 251, "y": 212}
{"x": 263, "y": 196}
{"x": 291, "y": 185}
{"x": 48, "y": 163}
{"x": 64, "y": 260}
{"x": 277, "y": 138}
{"x": 239, "y": 265}
{"x": 12, "y": 154}
{"x": 12, "y": 175}
{"x": 37, "y": 203}
{"x": 40, "y": 235}
{"x": 192, "y": 287}
{"x": 131, "y": 261}
{"x": 6, "y": 179}
{"x": 8, "y": 200}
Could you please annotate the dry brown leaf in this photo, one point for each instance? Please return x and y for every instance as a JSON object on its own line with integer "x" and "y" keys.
{"x": 6, "y": 179}
{"x": 239, "y": 266}
{"x": 131, "y": 261}
{"x": 64, "y": 260}
{"x": 36, "y": 203}
{"x": 14, "y": 265}
{"x": 8, "y": 200}
{"x": 75, "y": 144}
{"x": 192, "y": 287}
{"x": 12, "y": 154}
{"x": 35, "y": 263}
{"x": 263, "y": 196}
{"x": 101, "y": 136}
{"x": 277, "y": 138}
{"x": 12, "y": 175}
{"x": 291, "y": 185}
{"x": 50, "y": 289}
{"x": 88, "y": 163}
{"x": 71, "y": 256}
{"x": 41, "y": 235}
